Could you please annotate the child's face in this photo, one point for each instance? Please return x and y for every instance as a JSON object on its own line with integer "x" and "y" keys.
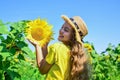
{"x": 65, "y": 33}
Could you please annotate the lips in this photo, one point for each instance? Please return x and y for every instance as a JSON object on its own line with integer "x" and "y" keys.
{"x": 61, "y": 36}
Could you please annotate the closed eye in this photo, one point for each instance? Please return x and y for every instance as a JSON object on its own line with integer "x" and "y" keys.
{"x": 66, "y": 29}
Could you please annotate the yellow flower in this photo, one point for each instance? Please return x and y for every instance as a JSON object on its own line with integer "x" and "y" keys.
{"x": 39, "y": 30}
{"x": 88, "y": 47}
{"x": 16, "y": 60}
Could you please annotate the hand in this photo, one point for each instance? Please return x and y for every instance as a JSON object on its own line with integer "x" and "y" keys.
{"x": 34, "y": 43}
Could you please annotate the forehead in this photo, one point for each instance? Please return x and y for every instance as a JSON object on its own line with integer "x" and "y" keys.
{"x": 67, "y": 25}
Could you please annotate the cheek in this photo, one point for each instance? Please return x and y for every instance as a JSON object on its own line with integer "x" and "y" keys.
{"x": 69, "y": 36}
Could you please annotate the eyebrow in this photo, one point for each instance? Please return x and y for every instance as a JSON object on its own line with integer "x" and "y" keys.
{"x": 67, "y": 28}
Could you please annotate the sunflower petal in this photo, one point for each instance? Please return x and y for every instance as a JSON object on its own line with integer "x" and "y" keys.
{"x": 40, "y": 31}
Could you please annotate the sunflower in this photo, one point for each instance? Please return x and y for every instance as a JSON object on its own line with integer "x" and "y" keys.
{"x": 88, "y": 47}
{"x": 39, "y": 30}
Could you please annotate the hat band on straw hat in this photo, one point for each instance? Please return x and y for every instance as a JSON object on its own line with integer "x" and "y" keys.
{"x": 73, "y": 21}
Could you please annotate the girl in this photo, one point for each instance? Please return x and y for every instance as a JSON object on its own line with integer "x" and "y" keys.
{"x": 65, "y": 60}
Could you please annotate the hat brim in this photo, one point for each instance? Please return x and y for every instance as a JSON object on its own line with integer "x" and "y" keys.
{"x": 78, "y": 38}
{"x": 68, "y": 21}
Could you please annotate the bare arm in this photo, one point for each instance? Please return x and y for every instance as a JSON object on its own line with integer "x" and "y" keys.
{"x": 41, "y": 53}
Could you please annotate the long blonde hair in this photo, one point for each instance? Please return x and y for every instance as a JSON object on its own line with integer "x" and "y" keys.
{"x": 79, "y": 61}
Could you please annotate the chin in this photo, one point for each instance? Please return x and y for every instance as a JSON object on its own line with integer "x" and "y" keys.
{"x": 59, "y": 39}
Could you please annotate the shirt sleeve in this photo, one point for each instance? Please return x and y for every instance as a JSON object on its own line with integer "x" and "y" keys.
{"x": 50, "y": 58}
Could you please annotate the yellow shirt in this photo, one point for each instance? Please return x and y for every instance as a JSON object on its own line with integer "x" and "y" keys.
{"x": 59, "y": 57}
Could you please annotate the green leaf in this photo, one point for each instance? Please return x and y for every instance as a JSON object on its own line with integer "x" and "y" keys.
{"x": 3, "y": 28}
{"x": 12, "y": 51}
{"x": 2, "y": 75}
{"x": 6, "y": 65}
{"x": 1, "y": 57}
{"x": 26, "y": 50}
{"x": 21, "y": 44}
{"x": 5, "y": 55}
{"x": 1, "y": 38}
{"x": 1, "y": 47}
{"x": 21, "y": 56}
{"x": 13, "y": 74}
{"x": 1, "y": 63}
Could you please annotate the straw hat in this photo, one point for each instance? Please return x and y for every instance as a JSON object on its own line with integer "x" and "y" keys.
{"x": 78, "y": 25}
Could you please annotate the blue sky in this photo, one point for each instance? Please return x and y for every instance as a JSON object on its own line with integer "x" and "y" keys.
{"x": 101, "y": 16}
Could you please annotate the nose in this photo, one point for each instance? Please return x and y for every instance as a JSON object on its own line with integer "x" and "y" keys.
{"x": 61, "y": 31}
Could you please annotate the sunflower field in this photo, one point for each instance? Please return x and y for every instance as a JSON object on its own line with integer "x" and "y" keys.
{"x": 17, "y": 61}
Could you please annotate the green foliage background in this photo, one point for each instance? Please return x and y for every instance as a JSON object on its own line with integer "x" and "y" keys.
{"x": 17, "y": 61}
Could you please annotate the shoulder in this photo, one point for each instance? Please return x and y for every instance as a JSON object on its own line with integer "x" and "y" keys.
{"x": 57, "y": 45}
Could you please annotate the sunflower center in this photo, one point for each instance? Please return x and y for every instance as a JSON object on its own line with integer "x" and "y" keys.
{"x": 37, "y": 34}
